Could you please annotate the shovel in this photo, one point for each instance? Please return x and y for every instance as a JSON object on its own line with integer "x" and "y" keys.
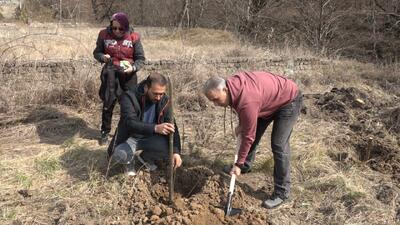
{"x": 229, "y": 211}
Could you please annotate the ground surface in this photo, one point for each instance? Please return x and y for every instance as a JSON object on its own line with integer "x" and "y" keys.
{"x": 345, "y": 153}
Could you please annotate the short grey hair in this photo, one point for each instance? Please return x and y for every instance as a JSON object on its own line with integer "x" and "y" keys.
{"x": 214, "y": 83}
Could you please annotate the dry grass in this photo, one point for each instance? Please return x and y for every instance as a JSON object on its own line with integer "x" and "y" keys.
{"x": 51, "y": 151}
{"x": 51, "y": 41}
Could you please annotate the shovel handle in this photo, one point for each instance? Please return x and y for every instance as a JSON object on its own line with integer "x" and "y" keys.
{"x": 233, "y": 176}
{"x": 232, "y": 183}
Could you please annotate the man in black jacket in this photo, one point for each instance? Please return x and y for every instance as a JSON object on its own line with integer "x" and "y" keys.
{"x": 145, "y": 125}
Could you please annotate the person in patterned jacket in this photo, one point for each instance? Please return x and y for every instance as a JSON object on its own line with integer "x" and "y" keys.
{"x": 121, "y": 51}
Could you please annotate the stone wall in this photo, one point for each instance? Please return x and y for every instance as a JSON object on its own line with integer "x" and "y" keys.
{"x": 53, "y": 68}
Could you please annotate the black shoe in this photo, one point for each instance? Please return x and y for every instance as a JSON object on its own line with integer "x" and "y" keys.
{"x": 103, "y": 138}
{"x": 227, "y": 169}
{"x": 274, "y": 201}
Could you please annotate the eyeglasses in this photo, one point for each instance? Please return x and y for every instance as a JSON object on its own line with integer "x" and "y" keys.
{"x": 117, "y": 28}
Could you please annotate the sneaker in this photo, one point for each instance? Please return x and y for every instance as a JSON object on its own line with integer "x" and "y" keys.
{"x": 103, "y": 138}
{"x": 227, "y": 169}
{"x": 274, "y": 201}
{"x": 130, "y": 169}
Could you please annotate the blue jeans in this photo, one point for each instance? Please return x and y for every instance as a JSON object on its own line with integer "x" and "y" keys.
{"x": 154, "y": 147}
{"x": 284, "y": 119}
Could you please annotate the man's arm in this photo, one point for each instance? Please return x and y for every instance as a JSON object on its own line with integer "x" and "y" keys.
{"x": 248, "y": 125}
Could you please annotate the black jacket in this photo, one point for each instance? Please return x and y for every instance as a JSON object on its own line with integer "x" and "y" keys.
{"x": 130, "y": 124}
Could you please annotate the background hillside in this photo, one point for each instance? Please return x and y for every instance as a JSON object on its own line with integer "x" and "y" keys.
{"x": 364, "y": 30}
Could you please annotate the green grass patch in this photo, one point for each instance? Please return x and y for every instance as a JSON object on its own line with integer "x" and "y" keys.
{"x": 266, "y": 166}
{"x": 354, "y": 196}
{"x": 68, "y": 143}
{"x": 219, "y": 163}
{"x": 326, "y": 185}
{"x": 76, "y": 154}
{"x": 24, "y": 180}
{"x": 8, "y": 213}
{"x": 46, "y": 166}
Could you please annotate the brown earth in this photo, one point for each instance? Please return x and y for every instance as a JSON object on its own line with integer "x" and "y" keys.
{"x": 369, "y": 121}
{"x": 200, "y": 190}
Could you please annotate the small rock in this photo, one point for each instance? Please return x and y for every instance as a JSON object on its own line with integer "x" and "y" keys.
{"x": 154, "y": 218}
{"x": 360, "y": 101}
{"x": 186, "y": 221}
{"x": 157, "y": 210}
{"x": 219, "y": 213}
{"x": 169, "y": 211}
{"x": 140, "y": 205}
{"x": 179, "y": 219}
{"x": 194, "y": 205}
{"x": 25, "y": 193}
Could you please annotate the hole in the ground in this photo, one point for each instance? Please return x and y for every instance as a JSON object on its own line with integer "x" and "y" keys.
{"x": 189, "y": 182}
{"x": 372, "y": 148}
{"x": 339, "y": 156}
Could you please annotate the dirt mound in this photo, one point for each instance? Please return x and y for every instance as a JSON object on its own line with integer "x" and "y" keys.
{"x": 391, "y": 118}
{"x": 338, "y": 103}
{"x": 372, "y": 126}
{"x": 200, "y": 195}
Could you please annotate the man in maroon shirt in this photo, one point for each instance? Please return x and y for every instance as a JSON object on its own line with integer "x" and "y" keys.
{"x": 258, "y": 99}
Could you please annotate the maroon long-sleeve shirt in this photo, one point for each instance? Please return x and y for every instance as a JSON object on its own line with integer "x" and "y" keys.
{"x": 257, "y": 95}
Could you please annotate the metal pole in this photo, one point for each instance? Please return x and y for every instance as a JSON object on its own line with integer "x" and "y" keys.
{"x": 171, "y": 145}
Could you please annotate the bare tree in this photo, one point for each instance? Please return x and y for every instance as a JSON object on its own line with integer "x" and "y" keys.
{"x": 102, "y": 9}
{"x": 319, "y": 21}
{"x": 185, "y": 15}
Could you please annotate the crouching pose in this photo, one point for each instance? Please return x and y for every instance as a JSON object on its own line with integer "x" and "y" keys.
{"x": 145, "y": 125}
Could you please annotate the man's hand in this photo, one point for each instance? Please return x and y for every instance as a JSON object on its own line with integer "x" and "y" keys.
{"x": 235, "y": 170}
{"x": 106, "y": 58}
{"x": 177, "y": 160}
{"x": 164, "y": 128}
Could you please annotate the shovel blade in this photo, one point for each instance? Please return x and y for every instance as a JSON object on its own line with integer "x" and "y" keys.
{"x": 233, "y": 212}
{"x": 229, "y": 211}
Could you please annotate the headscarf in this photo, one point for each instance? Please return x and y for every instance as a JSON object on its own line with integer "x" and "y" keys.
{"x": 122, "y": 19}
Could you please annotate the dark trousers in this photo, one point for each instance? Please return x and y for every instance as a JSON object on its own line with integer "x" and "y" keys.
{"x": 126, "y": 82}
{"x": 154, "y": 147}
{"x": 284, "y": 119}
